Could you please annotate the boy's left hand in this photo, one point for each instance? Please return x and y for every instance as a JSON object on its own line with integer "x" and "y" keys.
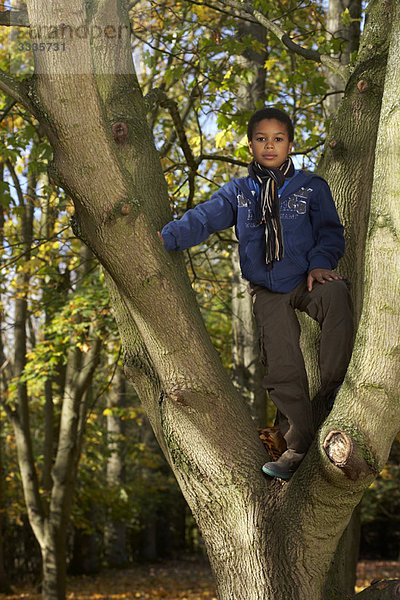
{"x": 322, "y": 276}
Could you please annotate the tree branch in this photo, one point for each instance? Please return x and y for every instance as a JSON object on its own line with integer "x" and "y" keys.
{"x": 222, "y": 158}
{"x": 7, "y": 108}
{"x": 16, "y": 182}
{"x": 328, "y": 61}
{"x": 16, "y": 90}
{"x": 243, "y": 16}
{"x": 159, "y": 96}
{"x": 167, "y": 145}
{"x": 14, "y": 17}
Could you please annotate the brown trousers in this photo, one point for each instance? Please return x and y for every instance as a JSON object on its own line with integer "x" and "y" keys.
{"x": 286, "y": 380}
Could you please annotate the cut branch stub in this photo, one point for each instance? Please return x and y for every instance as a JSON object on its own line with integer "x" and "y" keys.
{"x": 345, "y": 454}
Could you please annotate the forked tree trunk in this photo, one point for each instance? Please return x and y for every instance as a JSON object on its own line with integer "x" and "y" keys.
{"x": 265, "y": 539}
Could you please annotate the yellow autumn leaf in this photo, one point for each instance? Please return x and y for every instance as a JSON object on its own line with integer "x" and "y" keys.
{"x": 270, "y": 63}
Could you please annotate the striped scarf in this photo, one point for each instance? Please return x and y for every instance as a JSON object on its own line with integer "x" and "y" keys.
{"x": 270, "y": 181}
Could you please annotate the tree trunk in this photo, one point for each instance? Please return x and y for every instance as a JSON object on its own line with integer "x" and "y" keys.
{"x": 85, "y": 552}
{"x": 374, "y": 370}
{"x": 350, "y": 173}
{"x": 350, "y": 35}
{"x": 115, "y": 530}
{"x": 54, "y": 556}
{"x": 4, "y": 583}
{"x": 349, "y": 154}
{"x": 265, "y": 539}
{"x": 341, "y": 577}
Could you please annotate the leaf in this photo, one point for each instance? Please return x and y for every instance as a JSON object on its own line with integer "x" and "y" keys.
{"x": 346, "y": 18}
{"x": 270, "y": 63}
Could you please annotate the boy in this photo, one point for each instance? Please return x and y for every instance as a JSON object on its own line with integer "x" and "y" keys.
{"x": 290, "y": 240}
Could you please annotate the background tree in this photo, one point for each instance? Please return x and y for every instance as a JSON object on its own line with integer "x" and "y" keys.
{"x": 343, "y": 25}
{"x": 37, "y": 286}
{"x": 115, "y": 530}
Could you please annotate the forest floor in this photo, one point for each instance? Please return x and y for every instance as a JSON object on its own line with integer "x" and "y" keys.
{"x": 172, "y": 580}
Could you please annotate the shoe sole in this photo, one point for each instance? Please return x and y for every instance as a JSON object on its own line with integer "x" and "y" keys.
{"x": 273, "y": 473}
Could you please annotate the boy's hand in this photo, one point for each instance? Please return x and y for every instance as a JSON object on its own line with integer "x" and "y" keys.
{"x": 322, "y": 276}
{"x": 161, "y": 237}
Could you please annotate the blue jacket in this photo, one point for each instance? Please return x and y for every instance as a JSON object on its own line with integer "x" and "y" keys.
{"x": 312, "y": 233}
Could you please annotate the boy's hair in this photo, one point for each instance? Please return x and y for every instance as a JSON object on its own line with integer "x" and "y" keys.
{"x": 270, "y": 113}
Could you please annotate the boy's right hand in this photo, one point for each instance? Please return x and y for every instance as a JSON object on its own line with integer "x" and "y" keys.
{"x": 161, "y": 237}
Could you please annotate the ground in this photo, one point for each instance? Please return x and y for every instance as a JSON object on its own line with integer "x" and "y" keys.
{"x": 172, "y": 580}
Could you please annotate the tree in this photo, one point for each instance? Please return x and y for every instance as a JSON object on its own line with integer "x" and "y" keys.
{"x": 115, "y": 531}
{"x": 343, "y": 24}
{"x": 47, "y": 472}
{"x": 4, "y": 583}
{"x": 90, "y": 105}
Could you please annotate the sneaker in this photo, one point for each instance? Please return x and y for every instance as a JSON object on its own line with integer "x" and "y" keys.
{"x": 285, "y": 466}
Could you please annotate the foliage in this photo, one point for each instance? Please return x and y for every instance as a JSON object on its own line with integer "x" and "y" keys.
{"x": 382, "y": 499}
{"x": 380, "y": 510}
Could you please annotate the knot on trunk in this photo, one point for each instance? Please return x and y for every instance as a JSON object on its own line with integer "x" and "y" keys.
{"x": 123, "y": 207}
{"x": 345, "y": 453}
{"x": 120, "y": 132}
{"x": 362, "y": 86}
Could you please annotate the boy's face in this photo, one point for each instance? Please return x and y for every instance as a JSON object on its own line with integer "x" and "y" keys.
{"x": 270, "y": 143}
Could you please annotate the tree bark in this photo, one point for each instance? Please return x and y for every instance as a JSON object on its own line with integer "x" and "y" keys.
{"x": 265, "y": 539}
